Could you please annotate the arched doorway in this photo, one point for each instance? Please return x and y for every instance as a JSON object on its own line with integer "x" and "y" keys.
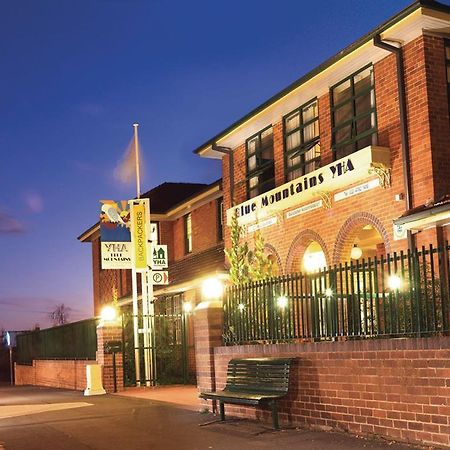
{"x": 308, "y": 250}
{"x": 359, "y": 281}
{"x": 362, "y": 236}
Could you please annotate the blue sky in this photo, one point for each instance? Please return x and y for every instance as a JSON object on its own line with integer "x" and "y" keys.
{"x": 76, "y": 75}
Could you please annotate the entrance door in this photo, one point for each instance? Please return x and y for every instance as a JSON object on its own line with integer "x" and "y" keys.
{"x": 173, "y": 343}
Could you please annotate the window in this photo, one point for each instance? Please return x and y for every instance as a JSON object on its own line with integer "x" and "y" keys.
{"x": 447, "y": 66}
{"x": 188, "y": 233}
{"x": 260, "y": 165}
{"x": 220, "y": 219}
{"x": 301, "y": 141}
{"x": 353, "y": 113}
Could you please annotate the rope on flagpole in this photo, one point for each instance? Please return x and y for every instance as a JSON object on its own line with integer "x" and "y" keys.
{"x": 136, "y": 150}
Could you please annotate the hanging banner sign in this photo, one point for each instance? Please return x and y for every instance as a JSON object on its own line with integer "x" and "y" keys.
{"x": 160, "y": 277}
{"x": 139, "y": 235}
{"x": 115, "y": 237}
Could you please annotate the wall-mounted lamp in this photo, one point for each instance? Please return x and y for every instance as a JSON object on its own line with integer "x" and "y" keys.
{"x": 108, "y": 314}
{"x": 356, "y": 252}
{"x": 212, "y": 288}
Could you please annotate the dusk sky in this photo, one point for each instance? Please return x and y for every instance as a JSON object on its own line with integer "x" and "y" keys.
{"x": 77, "y": 74}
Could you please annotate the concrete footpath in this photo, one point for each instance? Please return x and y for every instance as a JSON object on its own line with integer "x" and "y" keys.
{"x": 34, "y": 418}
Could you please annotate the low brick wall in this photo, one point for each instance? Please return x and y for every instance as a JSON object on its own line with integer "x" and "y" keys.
{"x": 67, "y": 374}
{"x": 396, "y": 388}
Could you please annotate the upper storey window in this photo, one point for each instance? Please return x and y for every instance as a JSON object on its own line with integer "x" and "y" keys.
{"x": 187, "y": 233}
{"x": 260, "y": 164}
{"x": 353, "y": 113}
{"x": 301, "y": 140}
{"x": 447, "y": 65}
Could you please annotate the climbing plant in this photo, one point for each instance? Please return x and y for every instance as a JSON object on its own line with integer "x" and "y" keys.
{"x": 247, "y": 264}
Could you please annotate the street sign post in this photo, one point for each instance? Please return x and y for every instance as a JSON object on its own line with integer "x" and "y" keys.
{"x": 160, "y": 277}
{"x": 159, "y": 257}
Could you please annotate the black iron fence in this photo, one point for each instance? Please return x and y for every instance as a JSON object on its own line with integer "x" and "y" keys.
{"x": 402, "y": 294}
{"x": 77, "y": 340}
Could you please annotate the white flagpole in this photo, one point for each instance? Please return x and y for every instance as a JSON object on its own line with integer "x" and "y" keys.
{"x": 136, "y": 150}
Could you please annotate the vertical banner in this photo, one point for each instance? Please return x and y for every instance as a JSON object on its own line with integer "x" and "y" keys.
{"x": 115, "y": 234}
{"x": 139, "y": 234}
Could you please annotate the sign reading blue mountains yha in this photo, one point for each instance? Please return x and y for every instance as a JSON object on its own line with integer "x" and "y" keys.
{"x": 159, "y": 259}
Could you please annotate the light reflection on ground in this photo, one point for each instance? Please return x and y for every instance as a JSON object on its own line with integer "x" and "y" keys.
{"x": 25, "y": 410}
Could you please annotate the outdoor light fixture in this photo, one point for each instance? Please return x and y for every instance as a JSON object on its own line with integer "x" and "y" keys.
{"x": 394, "y": 282}
{"x": 356, "y": 252}
{"x": 187, "y": 307}
{"x": 108, "y": 314}
{"x": 282, "y": 301}
{"x": 314, "y": 261}
{"x": 328, "y": 292}
{"x": 241, "y": 307}
{"x": 212, "y": 288}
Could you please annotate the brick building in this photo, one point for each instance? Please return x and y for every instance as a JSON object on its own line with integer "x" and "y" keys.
{"x": 350, "y": 153}
{"x": 189, "y": 222}
{"x": 346, "y": 165}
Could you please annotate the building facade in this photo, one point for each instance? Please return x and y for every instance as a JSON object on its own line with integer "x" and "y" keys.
{"x": 337, "y": 164}
{"x": 189, "y": 222}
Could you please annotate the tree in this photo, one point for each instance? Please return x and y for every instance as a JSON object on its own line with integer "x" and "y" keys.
{"x": 260, "y": 264}
{"x": 247, "y": 265}
{"x": 60, "y": 315}
{"x": 238, "y": 255}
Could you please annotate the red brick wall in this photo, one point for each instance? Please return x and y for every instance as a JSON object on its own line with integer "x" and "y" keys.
{"x": 204, "y": 230}
{"x": 438, "y": 113}
{"x": 105, "y": 334}
{"x": 426, "y": 99}
{"x": 65, "y": 374}
{"x": 398, "y": 388}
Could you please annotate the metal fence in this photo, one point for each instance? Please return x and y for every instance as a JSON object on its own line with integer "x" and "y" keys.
{"x": 402, "y": 294}
{"x": 77, "y": 340}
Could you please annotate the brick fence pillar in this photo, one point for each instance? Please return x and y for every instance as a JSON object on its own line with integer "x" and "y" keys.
{"x": 208, "y": 330}
{"x": 105, "y": 333}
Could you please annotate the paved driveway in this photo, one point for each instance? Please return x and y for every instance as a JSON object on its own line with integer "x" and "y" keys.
{"x": 38, "y": 418}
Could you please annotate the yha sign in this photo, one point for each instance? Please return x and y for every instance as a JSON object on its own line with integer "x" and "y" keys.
{"x": 334, "y": 176}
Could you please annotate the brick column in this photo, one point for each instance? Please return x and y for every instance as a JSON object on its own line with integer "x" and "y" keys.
{"x": 208, "y": 329}
{"x": 105, "y": 333}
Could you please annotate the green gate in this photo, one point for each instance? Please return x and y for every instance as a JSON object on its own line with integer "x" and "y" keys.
{"x": 173, "y": 343}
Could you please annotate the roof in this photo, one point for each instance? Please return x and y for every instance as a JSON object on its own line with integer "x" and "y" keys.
{"x": 165, "y": 197}
{"x": 427, "y": 210}
{"x": 431, "y": 4}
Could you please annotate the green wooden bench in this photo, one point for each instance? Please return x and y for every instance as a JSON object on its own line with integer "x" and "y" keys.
{"x": 254, "y": 381}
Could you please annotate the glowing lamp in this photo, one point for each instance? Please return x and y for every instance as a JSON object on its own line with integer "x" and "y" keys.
{"x": 356, "y": 252}
{"x": 394, "y": 282}
{"x": 187, "y": 307}
{"x": 108, "y": 314}
{"x": 328, "y": 292}
{"x": 212, "y": 288}
{"x": 241, "y": 307}
{"x": 282, "y": 301}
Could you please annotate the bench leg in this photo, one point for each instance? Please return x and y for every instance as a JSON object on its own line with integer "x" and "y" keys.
{"x": 275, "y": 415}
{"x": 222, "y": 410}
